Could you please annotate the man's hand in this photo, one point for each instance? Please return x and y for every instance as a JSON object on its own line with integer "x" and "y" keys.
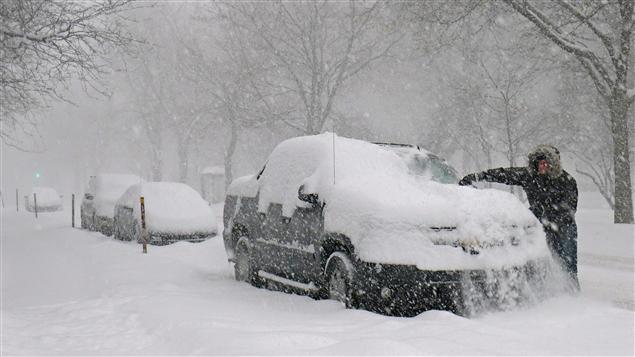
{"x": 468, "y": 180}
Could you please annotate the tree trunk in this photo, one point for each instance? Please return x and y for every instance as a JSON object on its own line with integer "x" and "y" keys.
{"x": 618, "y": 106}
{"x": 309, "y": 129}
{"x": 510, "y": 143}
{"x": 183, "y": 160}
{"x": 156, "y": 153}
{"x": 156, "y": 166}
{"x": 229, "y": 153}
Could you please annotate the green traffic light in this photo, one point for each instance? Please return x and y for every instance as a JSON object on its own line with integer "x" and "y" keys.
{"x": 37, "y": 175}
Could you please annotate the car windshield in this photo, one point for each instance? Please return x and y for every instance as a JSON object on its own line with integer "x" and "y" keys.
{"x": 424, "y": 164}
{"x": 432, "y": 167}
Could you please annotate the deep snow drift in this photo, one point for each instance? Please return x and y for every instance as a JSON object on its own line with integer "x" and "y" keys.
{"x": 67, "y": 291}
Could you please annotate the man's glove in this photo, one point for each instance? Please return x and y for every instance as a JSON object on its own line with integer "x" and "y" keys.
{"x": 468, "y": 180}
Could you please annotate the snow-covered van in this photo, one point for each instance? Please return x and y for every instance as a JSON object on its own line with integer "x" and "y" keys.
{"x": 356, "y": 222}
{"x": 173, "y": 210}
{"x": 98, "y": 205}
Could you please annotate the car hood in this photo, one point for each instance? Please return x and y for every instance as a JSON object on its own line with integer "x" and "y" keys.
{"x": 430, "y": 224}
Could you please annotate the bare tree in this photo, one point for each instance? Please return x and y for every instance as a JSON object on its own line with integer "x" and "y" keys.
{"x": 44, "y": 44}
{"x": 171, "y": 110}
{"x": 495, "y": 105}
{"x": 590, "y": 127}
{"x": 461, "y": 36}
{"x": 144, "y": 103}
{"x": 234, "y": 78}
{"x": 599, "y": 35}
{"x": 317, "y": 47}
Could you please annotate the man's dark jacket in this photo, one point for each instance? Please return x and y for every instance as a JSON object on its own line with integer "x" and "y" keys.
{"x": 553, "y": 198}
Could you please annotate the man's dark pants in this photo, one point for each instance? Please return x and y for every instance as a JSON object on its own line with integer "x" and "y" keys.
{"x": 564, "y": 244}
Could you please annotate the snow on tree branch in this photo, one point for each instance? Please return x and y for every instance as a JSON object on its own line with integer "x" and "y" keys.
{"x": 551, "y": 31}
{"x": 45, "y": 44}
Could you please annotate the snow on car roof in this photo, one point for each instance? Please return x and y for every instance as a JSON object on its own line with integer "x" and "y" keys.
{"x": 108, "y": 189}
{"x": 171, "y": 207}
{"x": 46, "y": 196}
{"x": 372, "y": 198}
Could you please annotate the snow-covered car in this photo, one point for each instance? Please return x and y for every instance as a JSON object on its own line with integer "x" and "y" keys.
{"x": 174, "y": 212}
{"x": 349, "y": 220}
{"x": 47, "y": 199}
{"x": 98, "y": 205}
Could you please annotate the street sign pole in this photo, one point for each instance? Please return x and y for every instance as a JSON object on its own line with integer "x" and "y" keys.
{"x": 73, "y": 210}
{"x": 144, "y": 232}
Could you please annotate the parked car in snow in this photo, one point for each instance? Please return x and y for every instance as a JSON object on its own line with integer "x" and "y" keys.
{"x": 352, "y": 221}
{"x": 98, "y": 205}
{"x": 174, "y": 212}
{"x": 48, "y": 200}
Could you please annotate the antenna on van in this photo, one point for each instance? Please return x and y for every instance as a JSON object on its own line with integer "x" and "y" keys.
{"x": 333, "y": 134}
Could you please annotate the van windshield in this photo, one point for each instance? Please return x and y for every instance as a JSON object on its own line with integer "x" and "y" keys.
{"x": 424, "y": 164}
{"x": 432, "y": 167}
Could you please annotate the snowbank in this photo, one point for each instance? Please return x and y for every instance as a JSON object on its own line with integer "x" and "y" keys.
{"x": 108, "y": 188}
{"x": 71, "y": 292}
{"x": 393, "y": 216}
{"x": 170, "y": 207}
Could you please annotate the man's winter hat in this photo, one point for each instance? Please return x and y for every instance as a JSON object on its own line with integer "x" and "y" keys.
{"x": 549, "y": 153}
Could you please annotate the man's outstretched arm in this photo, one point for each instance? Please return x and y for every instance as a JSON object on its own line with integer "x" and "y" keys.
{"x": 508, "y": 176}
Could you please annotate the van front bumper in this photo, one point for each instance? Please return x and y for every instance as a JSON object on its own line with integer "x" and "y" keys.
{"x": 405, "y": 290}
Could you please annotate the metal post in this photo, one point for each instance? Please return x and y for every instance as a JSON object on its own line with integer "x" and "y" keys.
{"x": 17, "y": 202}
{"x": 35, "y": 204}
{"x": 73, "y": 210}
{"x": 144, "y": 232}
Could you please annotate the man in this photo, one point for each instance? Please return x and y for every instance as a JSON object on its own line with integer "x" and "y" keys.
{"x": 553, "y": 198}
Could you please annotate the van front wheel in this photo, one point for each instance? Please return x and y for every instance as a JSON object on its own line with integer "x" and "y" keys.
{"x": 339, "y": 274}
{"x": 242, "y": 266}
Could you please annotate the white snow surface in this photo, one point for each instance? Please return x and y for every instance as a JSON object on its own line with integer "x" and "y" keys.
{"x": 170, "y": 207}
{"x": 46, "y": 197}
{"x": 372, "y": 198}
{"x": 108, "y": 188}
{"x": 71, "y": 292}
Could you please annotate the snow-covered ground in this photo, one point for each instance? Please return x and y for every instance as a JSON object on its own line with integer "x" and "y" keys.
{"x": 67, "y": 291}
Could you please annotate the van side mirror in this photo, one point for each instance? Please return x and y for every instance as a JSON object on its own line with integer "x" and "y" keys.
{"x": 311, "y": 198}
